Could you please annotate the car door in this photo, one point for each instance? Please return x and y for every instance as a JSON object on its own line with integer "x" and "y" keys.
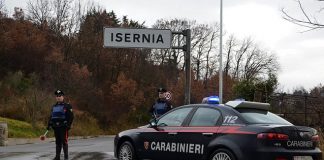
{"x": 200, "y": 130}
{"x": 158, "y": 142}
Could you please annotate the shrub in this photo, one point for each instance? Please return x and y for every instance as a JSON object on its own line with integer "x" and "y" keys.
{"x": 84, "y": 124}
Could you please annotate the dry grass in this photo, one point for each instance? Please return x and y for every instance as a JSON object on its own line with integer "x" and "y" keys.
{"x": 84, "y": 125}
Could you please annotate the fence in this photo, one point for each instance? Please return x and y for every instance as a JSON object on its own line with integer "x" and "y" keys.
{"x": 299, "y": 109}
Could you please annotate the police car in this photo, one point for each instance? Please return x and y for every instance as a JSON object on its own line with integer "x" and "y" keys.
{"x": 237, "y": 130}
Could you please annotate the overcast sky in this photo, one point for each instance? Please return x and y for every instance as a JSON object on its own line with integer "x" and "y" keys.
{"x": 301, "y": 55}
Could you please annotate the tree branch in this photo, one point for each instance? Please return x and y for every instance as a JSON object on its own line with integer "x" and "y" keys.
{"x": 308, "y": 23}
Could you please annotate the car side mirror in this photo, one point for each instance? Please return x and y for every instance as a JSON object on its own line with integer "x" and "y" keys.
{"x": 153, "y": 123}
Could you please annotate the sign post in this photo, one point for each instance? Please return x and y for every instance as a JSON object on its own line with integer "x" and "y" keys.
{"x": 187, "y": 50}
{"x": 188, "y": 63}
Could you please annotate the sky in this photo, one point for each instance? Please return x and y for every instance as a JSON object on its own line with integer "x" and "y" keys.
{"x": 300, "y": 54}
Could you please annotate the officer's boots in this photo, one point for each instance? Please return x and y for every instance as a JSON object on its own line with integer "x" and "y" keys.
{"x": 66, "y": 153}
{"x": 57, "y": 158}
{"x": 58, "y": 152}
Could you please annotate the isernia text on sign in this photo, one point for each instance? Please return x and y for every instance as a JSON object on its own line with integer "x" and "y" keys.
{"x": 137, "y": 38}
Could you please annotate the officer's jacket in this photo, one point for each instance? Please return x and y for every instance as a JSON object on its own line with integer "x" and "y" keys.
{"x": 61, "y": 115}
{"x": 160, "y": 107}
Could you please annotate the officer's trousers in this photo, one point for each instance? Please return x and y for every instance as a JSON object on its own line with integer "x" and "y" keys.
{"x": 61, "y": 140}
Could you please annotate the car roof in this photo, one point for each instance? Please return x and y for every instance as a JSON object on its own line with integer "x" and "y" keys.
{"x": 218, "y": 106}
{"x": 234, "y": 105}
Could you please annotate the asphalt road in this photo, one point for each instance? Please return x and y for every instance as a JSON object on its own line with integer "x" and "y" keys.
{"x": 100, "y": 148}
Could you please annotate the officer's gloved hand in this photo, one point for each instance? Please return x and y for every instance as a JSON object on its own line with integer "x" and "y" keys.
{"x": 67, "y": 125}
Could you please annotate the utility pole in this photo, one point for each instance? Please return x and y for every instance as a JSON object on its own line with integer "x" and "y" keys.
{"x": 221, "y": 55}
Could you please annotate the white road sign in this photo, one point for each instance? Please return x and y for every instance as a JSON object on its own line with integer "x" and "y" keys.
{"x": 168, "y": 95}
{"x": 137, "y": 38}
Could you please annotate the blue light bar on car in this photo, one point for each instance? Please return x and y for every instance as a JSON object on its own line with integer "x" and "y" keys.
{"x": 211, "y": 100}
{"x": 248, "y": 104}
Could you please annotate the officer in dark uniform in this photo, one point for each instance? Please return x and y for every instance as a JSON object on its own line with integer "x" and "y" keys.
{"x": 60, "y": 120}
{"x": 161, "y": 105}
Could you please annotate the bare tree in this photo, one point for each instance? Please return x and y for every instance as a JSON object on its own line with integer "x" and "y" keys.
{"x": 229, "y": 49}
{"x": 210, "y": 60}
{"x": 239, "y": 56}
{"x": 39, "y": 11}
{"x": 72, "y": 25}
{"x": 2, "y": 9}
{"x": 259, "y": 62}
{"x": 202, "y": 45}
{"x": 62, "y": 15}
{"x": 246, "y": 60}
{"x": 2, "y": 4}
{"x": 167, "y": 56}
{"x": 78, "y": 10}
{"x": 202, "y": 38}
{"x": 311, "y": 23}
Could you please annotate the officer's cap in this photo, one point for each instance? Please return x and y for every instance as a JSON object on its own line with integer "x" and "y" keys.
{"x": 161, "y": 89}
{"x": 59, "y": 93}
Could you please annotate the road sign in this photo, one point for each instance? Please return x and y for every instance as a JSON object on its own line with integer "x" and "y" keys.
{"x": 168, "y": 95}
{"x": 137, "y": 38}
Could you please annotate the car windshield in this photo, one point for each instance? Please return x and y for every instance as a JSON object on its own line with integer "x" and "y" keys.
{"x": 255, "y": 116}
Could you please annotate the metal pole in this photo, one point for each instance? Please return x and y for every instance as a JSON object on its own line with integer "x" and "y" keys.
{"x": 305, "y": 110}
{"x": 221, "y": 55}
{"x": 187, "y": 33}
{"x": 186, "y": 49}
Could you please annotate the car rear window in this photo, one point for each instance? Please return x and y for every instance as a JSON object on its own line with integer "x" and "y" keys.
{"x": 255, "y": 116}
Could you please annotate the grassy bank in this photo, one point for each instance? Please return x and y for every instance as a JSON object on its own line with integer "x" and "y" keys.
{"x": 20, "y": 129}
{"x": 83, "y": 125}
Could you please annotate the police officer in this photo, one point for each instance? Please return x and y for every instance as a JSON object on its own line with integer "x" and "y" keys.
{"x": 161, "y": 105}
{"x": 60, "y": 120}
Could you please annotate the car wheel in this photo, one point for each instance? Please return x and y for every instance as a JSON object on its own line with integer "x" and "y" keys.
{"x": 126, "y": 152}
{"x": 222, "y": 154}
